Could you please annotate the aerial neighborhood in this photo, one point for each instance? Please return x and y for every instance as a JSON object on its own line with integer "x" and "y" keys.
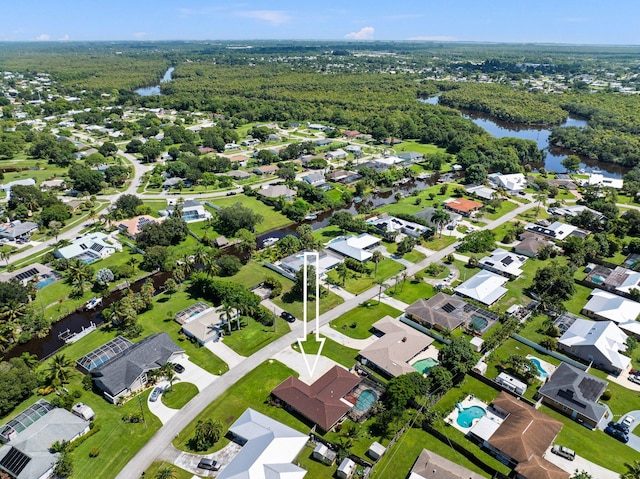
{"x": 229, "y": 278}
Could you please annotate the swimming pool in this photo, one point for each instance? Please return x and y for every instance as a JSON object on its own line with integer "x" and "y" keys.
{"x": 541, "y": 372}
{"x": 478, "y": 322}
{"x": 467, "y": 415}
{"x": 424, "y": 365}
{"x": 45, "y": 282}
{"x": 366, "y": 399}
{"x": 597, "y": 278}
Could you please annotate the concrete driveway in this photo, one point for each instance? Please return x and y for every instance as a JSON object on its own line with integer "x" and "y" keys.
{"x": 158, "y": 409}
{"x": 581, "y": 464}
{"x": 295, "y": 361}
{"x": 194, "y": 374}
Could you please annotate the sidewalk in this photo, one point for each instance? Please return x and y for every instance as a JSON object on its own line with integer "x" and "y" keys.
{"x": 225, "y": 353}
{"x": 395, "y": 303}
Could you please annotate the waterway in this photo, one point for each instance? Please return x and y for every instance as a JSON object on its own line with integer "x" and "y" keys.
{"x": 155, "y": 90}
{"x": 539, "y": 134}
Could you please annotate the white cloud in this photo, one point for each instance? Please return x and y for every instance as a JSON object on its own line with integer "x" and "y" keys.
{"x": 365, "y": 33}
{"x": 274, "y": 17}
{"x": 433, "y": 38}
{"x": 42, "y": 37}
{"x": 139, "y": 35}
{"x": 64, "y": 38}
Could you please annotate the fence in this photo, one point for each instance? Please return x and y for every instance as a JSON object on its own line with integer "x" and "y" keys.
{"x": 279, "y": 270}
{"x": 211, "y": 205}
{"x": 553, "y": 354}
{"x": 425, "y": 330}
{"x": 495, "y": 385}
{"x": 603, "y": 287}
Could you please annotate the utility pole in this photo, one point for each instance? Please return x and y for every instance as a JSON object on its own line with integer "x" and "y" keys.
{"x": 142, "y": 410}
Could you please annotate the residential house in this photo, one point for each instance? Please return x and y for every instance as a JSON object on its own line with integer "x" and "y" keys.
{"x": 485, "y": 287}
{"x": 441, "y": 312}
{"x": 277, "y": 191}
{"x": 575, "y": 393}
{"x": 27, "y": 439}
{"x": 598, "y": 342}
{"x": 238, "y": 174}
{"x": 462, "y": 206}
{"x": 397, "y": 344}
{"x": 265, "y": 170}
{"x": 350, "y": 134}
{"x": 503, "y": 262}
{"x": 336, "y": 154}
{"x": 393, "y": 225}
{"x": 174, "y": 182}
{"x": 557, "y": 230}
{"x": 89, "y": 248}
{"x": 250, "y": 142}
{"x": 531, "y": 245}
{"x": 192, "y": 210}
{"x": 126, "y": 372}
{"x": 295, "y": 262}
{"x": 574, "y": 210}
{"x": 388, "y": 161}
{"x": 268, "y": 449}
{"x": 48, "y": 185}
{"x": 18, "y": 229}
{"x": 32, "y": 272}
{"x": 356, "y": 150}
{"x": 597, "y": 179}
{"x": 512, "y": 183}
{"x": 322, "y": 142}
{"x": 427, "y": 215}
{"x": 481, "y": 191}
{"x": 6, "y": 187}
{"x": 316, "y": 126}
{"x": 343, "y": 176}
{"x": 206, "y": 150}
{"x": 412, "y": 156}
{"x": 273, "y": 137}
{"x": 619, "y": 280}
{"x": 519, "y": 436}
{"x": 315, "y": 178}
{"x": 322, "y": 403}
{"x": 238, "y": 161}
{"x": 133, "y": 226}
{"x": 356, "y": 247}
{"x": 603, "y": 305}
{"x": 430, "y": 465}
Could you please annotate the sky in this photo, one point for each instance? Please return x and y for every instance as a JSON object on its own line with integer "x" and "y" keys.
{"x": 539, "y": 21}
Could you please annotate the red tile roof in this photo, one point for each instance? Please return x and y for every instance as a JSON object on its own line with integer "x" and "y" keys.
{"x": 464, "y": 205}
{"x": 321, "y": 402}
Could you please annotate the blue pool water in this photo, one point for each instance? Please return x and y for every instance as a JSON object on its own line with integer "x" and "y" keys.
{"x": 424, "y": 365}
{"x": 597, "y": 278}
{"x": 467, "y": 415}
{"x": 478, "y": 322}
{"x": 45, "y": 282}
{"x": 365, "y": 400}
{"x": 541, "y": 372}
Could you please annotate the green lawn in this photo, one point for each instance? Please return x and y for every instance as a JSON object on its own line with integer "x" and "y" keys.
{"x": 411, "y": 290}
{"x": 414, "y": 256}
{"x": 326, "y": 234}
{"x": 156, "y": 466}
{"x": 253, "y": 273}
{"x": 179, "y": 395}
{"x": 272, "y": 219}
{"x": 424, "y": 148}
{"x": 295, "y": 306}
{"x": 357, "y": 283}
{"x": 504, "y": 208}
{"x": 254, "y": 336}
{"x": 253, "y": 390}
{"x": 439, "y": 242}
{"x": 357, "y": 322}
{"x": 331, "y": 349}
{"x": 315, "y": 469}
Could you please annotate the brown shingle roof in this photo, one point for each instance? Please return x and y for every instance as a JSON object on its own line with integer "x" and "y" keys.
{"x": 442, "y": 310}
{"x": 321, "y": 402}
{"x": 526, "y": 432}
{"x": 539, "y": 468}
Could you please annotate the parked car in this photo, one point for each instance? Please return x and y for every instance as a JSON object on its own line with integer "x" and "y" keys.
{"x": 634, "y": 379}
{"x": 564, "y": 452}
{"x": 179, "y": 368}
{"x": 627, "y": 421}
{"x": 208, "y": 464}
{"x": 231, "y": 193}
{"x": 617, "y": 434}
{"x": 155, "y": 394}
{"x": 619, "y": 426}
{"x": 634, "y": 372}
{"x": 288, "y": 317}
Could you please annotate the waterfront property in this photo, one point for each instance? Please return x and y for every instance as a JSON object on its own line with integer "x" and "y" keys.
{"x": 269, "y": 449}
{"x": 102, "y": 354}
{"x": 192, "y": 210}
{"x": 321, "y": 403}
{"x": 463, "y": 206}
{"x": 89, "y": 248}
{"x": 133, "y": 226}
{"x": 390, "y": 224}
{"x": 36, "y": 273}
{"x": 575, "y": 393}
{"x": 326, "y": 262}
{"x": 271, "y": 192}
{"x": 512, "y": 183}
{"x": 126, "y": 372}
{"x": 356, "y": 247}
{"x": 397, "y": 348}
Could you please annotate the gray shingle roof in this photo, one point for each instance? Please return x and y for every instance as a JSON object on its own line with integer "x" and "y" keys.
{"x": 120, "y": 372}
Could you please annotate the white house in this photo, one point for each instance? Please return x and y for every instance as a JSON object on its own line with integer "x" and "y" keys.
{"x": 89, "y": 248}
{"x": 356, "y": 247}
{"x": 597, "y": 179}
{"x": 557, "y": 230}
{"x": 336, "y": 154}
{"x": 503, "y": 262}
{"x": 608, "y": 306}
{"x": 512, "y": 183}
{"x": 486, "y": 287}
{"x": 599, "y": 342}
{"x": 391, "y": 224}
{"x": 192, "y": 210}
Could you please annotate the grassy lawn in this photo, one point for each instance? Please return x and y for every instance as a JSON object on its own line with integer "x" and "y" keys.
{"x": 411, "y": 290}
{"x": 331, "y": 349}
{"x": 255, "y": 336}
{"x": 437, "y": 242}
{"x": 253, "y": 391}
{"x": 357, "y": 283}
{"x": 253, "y": 273}
{"x": 504, "y": 208}
{"x": 578, "y": 300}
{"x": 357, "y": 322}
{"x": 295, "y": 306}
{"x": 315, "y": 469}
{"x": 179, "y": 395}
{"x": 272, "y": 219}
{"x": 156, "y": 466}
{"x": 414, "y": 256}
{"x": 424, "y": 148}
{"x": 326, "y": 234}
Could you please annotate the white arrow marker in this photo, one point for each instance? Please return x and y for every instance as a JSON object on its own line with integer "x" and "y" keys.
{"x": 310, "y": 367}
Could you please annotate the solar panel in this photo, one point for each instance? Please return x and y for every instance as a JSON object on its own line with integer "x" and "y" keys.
{"x": 26, "y": 274}
{"x": 15, "y": 461}
{"x": 97, "y": 247}
{"x": 449, "y": 308}
{"x": 507, "y": 261}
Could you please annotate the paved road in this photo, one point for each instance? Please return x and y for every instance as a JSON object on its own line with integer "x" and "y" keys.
{"x": 162, "y": 439}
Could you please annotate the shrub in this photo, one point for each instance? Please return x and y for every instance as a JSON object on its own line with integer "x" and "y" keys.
{"x": 606, "y": 395}
{"x": 94, "y": 452}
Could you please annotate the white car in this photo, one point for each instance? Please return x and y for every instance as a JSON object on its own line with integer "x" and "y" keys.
{"x": 627, "y": 421}
{"x": 634, "y": 379}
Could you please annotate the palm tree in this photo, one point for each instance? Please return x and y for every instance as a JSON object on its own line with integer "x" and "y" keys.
{"x": 31, "y": 360}
{"x": 227, "y": 308}
{"x": 166, "y": 472}
{"x": 200, "y": 255}
{"x": 4, "y": 256}
{"x": 60, "y": 368}
{"x": 169, "y": 373}
{"x": 634, "y": 471}
{"x": 439, "y": 219}
{"x": 376, "y": 258}
{"x": 540, "y": 197}
{"x": 342, "y": 271}
{"x": 133, "y": 262}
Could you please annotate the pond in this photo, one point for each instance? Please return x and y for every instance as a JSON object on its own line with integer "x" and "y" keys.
{"x": 155, "y": 90}
{"x": 539, "y": 134}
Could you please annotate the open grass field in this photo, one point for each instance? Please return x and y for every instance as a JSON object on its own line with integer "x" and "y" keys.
{"x": 357, "y": 283}
{"x": 156, "y": 466}
{"x": 357, "y": 322}
{"x": 331, "y": 349}
{"x": 295, "y": 307}
{"x": 254, "y": 336}
{"x": 411, "y": 290}
{"x": 271, "y": 219}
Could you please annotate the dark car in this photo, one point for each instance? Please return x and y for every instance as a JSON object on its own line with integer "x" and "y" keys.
{"x": 179, "y": 368}
{"x": 616, "y": 433}
{"x": 288, "y": 317}
{"x": 208, "y": 464}
{"x": 231, "y": 193}
{"x": 619, "y": 426}
{"x": 634, "y": 372}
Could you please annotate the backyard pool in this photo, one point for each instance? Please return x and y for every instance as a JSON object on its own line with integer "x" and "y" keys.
{"x": 424, "y": 365}
{"x": 597, "y": 278}
{"x": 478, "y": 323}
{"x": 467, "y": 415}
{"x": 45, "y": 282}
{"x": 366, "y": 399}
{"x": 542, "y": 374}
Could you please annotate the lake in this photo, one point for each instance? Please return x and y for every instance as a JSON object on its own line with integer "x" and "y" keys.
{"x": 155, "y": 90}
{"x": 539, "y": 134}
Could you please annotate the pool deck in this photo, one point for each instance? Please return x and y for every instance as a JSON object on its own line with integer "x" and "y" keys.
{"x": 452, "y": 418}
{"x": 430, "y": 353}
{"x": 548, "y": 367}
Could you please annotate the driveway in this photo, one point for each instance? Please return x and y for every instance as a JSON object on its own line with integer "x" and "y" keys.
{"x": 623, "y": 381}
{"x": 580, "y": 464}
{"x": 293, "y": 359}
{"x": 194, "y": 374}
{"x": 225, "y": 353}
{"x": 158, "y": 409}
{"x": 189, "y": 462}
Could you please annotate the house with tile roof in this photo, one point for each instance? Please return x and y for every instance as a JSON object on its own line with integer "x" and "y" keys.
{"x": 322, "y": 403}
{"x": 463, "y": 206}
{"x": 575, "y": 393}
{"x": 441, "y": 312}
